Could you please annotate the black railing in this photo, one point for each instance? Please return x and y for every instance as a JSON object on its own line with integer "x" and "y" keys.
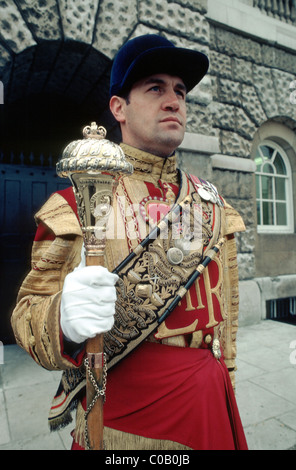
{"x": 282, "y": 309}
{"x": 28, "y": 159}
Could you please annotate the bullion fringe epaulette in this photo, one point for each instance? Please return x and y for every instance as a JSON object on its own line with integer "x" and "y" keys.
{"x": 57, "y": 215}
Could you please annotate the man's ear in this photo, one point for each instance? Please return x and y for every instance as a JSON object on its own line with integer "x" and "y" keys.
{"x": 117, "y": 108}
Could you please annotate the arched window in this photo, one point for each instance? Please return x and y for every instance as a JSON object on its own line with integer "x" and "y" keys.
{"x": 273, "y": 189}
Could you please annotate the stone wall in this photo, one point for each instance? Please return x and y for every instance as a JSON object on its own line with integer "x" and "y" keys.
{"x": 251, "y": 81}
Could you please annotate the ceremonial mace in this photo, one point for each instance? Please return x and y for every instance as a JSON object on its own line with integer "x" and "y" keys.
{"x": 94, "y": 165}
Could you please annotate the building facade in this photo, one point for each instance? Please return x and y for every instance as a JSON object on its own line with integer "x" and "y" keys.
{"x": 55, "y": 61}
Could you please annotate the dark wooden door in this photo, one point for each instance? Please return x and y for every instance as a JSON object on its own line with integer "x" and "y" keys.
{"x": 23, "y": 190}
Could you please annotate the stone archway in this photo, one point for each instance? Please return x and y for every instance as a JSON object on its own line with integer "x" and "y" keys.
{"x": 54, "y": 89}
{"x": 58, "y": 53}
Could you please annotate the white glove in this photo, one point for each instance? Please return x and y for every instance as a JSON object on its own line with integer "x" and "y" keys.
{"x": 88, "y": 302}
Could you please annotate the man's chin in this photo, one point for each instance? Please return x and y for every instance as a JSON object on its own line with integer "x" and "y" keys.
{"x": 173, "y": 139}
{"x": 167, "y": 148}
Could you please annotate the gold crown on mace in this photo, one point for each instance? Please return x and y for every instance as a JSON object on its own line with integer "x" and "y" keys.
{"x": 93, "y": 154}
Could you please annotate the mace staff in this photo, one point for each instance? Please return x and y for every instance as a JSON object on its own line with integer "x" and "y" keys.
{"x": 94, "y": 166}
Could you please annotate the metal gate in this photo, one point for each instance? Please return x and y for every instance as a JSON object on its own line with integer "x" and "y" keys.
{"x": 283, "y": 310}
{"x": 23, "y": 190}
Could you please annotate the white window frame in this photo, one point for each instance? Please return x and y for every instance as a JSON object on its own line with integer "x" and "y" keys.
{"x": 276, "y": 229}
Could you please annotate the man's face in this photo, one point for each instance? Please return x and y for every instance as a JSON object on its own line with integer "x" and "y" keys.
{"x": 154, "y": 117}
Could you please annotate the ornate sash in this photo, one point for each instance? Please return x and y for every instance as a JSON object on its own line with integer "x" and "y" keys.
{"x": 149, "y": 284}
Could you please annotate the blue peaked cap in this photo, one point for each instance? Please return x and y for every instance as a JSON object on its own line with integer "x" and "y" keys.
{"x": 150, "y": 54}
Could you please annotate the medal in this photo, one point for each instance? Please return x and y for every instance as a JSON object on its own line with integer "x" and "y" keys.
{"x": 204, "y": 194}
{"x": 175, "y": 255}
{"x": 206, "y": 191}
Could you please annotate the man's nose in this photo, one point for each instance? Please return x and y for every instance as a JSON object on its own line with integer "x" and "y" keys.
{"x": 171, "y": 101}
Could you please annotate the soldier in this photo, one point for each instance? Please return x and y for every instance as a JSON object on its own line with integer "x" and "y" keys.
{"x": 170, "y": 384}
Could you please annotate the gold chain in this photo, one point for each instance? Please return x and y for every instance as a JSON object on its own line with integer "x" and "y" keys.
{"x": 100, "y": 392}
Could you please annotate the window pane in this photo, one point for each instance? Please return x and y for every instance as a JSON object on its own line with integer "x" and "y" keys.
{"x": 281, "y": 213}
{"x": 257, "y": 186}
{"x": 266, "y": 151}
{"x": 273, "y": 184}
{"x": 268, "y": 218}
{"x": 266, "y": 182}
{"x": 267, "y": 168}
{"x": 279, "y": 165}
{"x": 280, "y": 189}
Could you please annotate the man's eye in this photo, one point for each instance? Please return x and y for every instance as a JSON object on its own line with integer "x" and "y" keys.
{"x": 155, "y": 88}
{"x": 180, "y": 93}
